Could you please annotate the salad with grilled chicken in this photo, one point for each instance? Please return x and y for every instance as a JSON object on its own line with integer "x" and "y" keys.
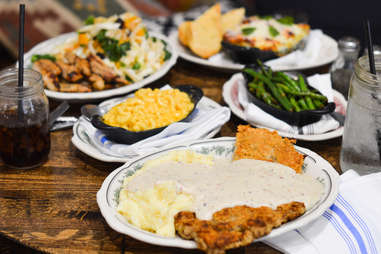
{"x": 106, "y": 53}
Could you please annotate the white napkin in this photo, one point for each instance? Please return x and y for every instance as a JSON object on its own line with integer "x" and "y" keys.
{"x": 254, "y": 114}
{"x": 351, "y": 225}
{"x": 201, "y": 123}
{"x": 299, "y": 58}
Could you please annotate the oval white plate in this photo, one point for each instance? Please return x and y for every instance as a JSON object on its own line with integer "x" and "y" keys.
{"x": 230, "y": 95}
{"x": 107, "y": 196}
{"x": 82, "y": 141}
{"x": 328, "y": 54}
{"x": 47, "y": 46}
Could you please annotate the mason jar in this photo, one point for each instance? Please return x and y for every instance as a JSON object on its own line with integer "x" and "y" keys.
{"x": 24, "y": 112}
{"x": 361, "y": 144}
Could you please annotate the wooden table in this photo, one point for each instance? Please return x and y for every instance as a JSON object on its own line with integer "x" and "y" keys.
{"x": 53, "y": 208}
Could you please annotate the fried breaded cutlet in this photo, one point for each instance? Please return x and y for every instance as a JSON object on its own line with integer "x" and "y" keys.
{"x": 234, "y": 227}
{"x": 262, "y": 144}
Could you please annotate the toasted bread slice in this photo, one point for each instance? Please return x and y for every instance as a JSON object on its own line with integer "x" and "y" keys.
{"x": 232, "y": 19}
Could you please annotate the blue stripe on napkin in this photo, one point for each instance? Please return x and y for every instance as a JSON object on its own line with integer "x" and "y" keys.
{"x": 341, "y": 231}
{"x": 340, "y": 199}
{"x": 350, "y": 226}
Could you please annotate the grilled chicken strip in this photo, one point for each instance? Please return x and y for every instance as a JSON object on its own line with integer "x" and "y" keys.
{"x": 83, "y": 66}
{"x": 234, "y": 227}
{"x": 98, "y": 82}
{"x": 69, "y": 72}
{"x": 49, "y": 71}
{"x": 98, "y": 67}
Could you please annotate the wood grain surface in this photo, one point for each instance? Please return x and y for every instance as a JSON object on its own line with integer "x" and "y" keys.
{"x": 53, "y": 208}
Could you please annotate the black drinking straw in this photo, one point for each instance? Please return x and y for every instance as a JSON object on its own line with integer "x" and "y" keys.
{"x": 21, "y": 45}
{"x": 21, "y": 58}
{"x": 369, "y": 41}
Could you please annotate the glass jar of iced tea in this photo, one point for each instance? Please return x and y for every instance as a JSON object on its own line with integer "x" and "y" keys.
{"x": 361, "y": 145}
{"x": 24, "y": 112}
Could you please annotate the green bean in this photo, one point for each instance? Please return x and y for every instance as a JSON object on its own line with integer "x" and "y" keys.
{"x": 303, "y": 88}
{"x": 318, "y": 103}
{"x": 310, "y": 104}
{"x": 282, "y": 100}
{"x": 265, "y": 95}
{"x": 294, "y": 103}
{"x": 289, "y": 80}
{"x": 302, "y": 104}
{"x": 302, "y": 84}
{"x": 311, "y": 94}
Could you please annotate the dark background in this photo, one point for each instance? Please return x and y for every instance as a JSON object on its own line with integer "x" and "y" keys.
{"x": 336, "y": 18}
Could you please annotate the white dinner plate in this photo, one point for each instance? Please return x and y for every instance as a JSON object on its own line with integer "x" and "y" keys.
{"x": 329, "y": 52}
{"x": 82, "y": 140}
{"x": 107, "y": 196}
{"x": 230, "y": 95}
{"x": 48, "y": 45}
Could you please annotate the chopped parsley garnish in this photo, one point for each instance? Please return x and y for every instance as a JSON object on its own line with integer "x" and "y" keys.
{"x": 286, "y": 20}
{"x": 248, "y": 30}
{"x": 136, "y": 66}
{"x": 273, "y": 31}
{"x": 128, "y": 78}
{"x": 90, "y": 20}
{"x": 146, "y": 33}
{"x": 167, "y": 54}
{"x": 111, "y": 47}
{"x": 46, "y": 56}
{"x": 154, "y": 39}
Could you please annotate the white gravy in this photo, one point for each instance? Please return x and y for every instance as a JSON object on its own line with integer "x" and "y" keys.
{"x": 227, "y": 184}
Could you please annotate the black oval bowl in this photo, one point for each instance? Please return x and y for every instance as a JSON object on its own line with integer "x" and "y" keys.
{"x": 247, "y": 55}
{"x": 293, "y": 118}
{"x": 124, "y": 136}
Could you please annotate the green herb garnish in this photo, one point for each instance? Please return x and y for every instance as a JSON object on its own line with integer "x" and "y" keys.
{"x": 154, "y": 39}
{"x": 90, "y": 20}
{"x": 167, "y": 54}
{"x": 146, "y": 33}
{"x": 286, "y": 20}
{"x": 111, "y": 47}
{"x": 248, "y": 30}
{"x": 136, "y": 66}
{"x": 122, "y": 64}
{"x": 46, "y": 56}
{"x": 128, "y": 78}
{"x": 273, "y": 31}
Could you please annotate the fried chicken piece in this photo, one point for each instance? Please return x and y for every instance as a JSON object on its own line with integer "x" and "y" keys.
{"x": 74, "y": 88}
{"x": 262, "y": 144}
{"x": 98, "y": 67}
{"x": 69, "y": 72}
{"x": 234, "y": 227}
{"x": 98, "y": 82}
{"x": 49, "y": 71}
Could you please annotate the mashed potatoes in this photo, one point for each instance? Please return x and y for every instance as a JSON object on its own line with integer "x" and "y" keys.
{"x": 150, "y": 109}
{"x": 153, "y": 209}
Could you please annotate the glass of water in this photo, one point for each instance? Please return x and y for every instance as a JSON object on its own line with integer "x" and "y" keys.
{"x": 361, "y": 145}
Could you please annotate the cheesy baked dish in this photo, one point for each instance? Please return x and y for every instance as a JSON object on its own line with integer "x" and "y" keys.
{"x": 150, "y": 109}
{"x": 280, "y": 35}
